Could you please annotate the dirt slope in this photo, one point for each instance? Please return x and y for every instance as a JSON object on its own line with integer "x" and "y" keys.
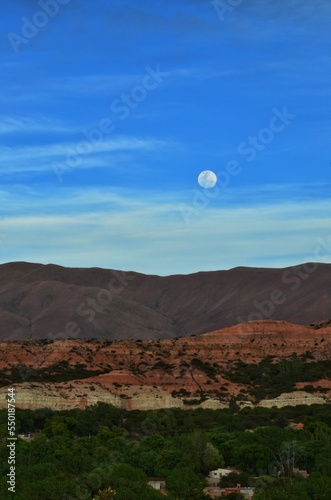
{"x": 48, "y": 301}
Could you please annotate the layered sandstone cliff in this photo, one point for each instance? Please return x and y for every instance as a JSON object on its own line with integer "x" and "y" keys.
{"x": 182, "y": 373}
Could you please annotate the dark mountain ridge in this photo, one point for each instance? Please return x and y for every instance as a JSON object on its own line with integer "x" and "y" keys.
{"x": 49, "y": 301}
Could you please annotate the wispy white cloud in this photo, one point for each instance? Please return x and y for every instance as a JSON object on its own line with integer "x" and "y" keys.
{"x": 203, "y": 73}
{"x": 32, "y": 125}
{"x": 84, "y": 153}
{"x": 94, "y": 83}
{"x": 147, "y": 233}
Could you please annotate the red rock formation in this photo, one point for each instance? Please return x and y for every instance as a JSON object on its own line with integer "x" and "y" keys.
{"x": 147, "y": 374}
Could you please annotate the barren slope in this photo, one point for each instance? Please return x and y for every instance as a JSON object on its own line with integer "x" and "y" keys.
{"x": 48, "y": 301}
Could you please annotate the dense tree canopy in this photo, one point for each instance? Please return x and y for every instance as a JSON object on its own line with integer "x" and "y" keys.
{"x": 104, "y": 453}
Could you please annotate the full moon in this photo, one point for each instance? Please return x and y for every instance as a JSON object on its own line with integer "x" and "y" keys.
{"x": 207, "y": 179}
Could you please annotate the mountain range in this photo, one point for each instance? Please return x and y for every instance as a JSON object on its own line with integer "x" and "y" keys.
{"x": 52, "y": 302}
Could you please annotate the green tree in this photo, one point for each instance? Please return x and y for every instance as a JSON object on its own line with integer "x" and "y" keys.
{"x": 130, "y": 483}
{"x": 287, "y": 458}
{"x": 255, "y": 458}
{"x": 318, "y": 486}
{"x": 184, "y": 484}
{"x": 211, "y": 458}
{"x": 108, "y": 494}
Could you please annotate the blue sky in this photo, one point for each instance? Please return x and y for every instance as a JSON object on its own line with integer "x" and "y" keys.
{"x": 110, "y": 109}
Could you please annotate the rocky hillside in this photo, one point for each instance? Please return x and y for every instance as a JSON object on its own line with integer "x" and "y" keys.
{"x": 259, "y": 363}
{"x": 52, "y": 302}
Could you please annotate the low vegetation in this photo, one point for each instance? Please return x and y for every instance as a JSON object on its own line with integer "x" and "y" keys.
{"x": 57, "y": 372}
{"x": 268, "y": 379}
